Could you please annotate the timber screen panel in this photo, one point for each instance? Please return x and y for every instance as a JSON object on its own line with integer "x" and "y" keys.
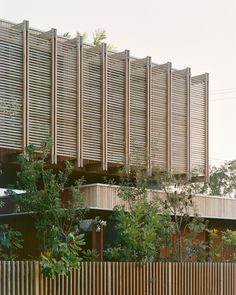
{"x": 159, "y": 116}
{"x": 66, "y": 98}
{"x": 39, "y": 88}
{"x": 138, "y": 113}
{"x": 92, "y": 103}
{"x": 179, "y": 122}
{"x": 99, "y": 106}
{"x": 198, "y": 125}
{"x": 11, "y": 85}
{"x": 116, "y": 109}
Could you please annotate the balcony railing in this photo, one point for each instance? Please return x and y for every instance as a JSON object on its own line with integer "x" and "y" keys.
{"x": 103, "y": 196}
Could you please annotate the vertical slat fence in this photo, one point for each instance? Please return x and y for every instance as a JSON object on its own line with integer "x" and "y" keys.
{"x": 113, "y": 278}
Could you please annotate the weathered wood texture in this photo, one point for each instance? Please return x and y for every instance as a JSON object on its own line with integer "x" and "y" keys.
{"x": 111, "y": 278}
{"x": 99, "y": 106}
{"x": 105, "y": 197}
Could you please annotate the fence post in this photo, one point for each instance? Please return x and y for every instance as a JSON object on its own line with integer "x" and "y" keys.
{"x": 170, "y": 278}
{"x": 36, "y": 278}
{"x": 221, "y": 279}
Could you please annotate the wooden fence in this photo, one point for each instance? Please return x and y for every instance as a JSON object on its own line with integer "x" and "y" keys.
{"x": 116, "y": 278}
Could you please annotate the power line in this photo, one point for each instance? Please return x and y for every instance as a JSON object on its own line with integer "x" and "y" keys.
{"x": 223, "y": 89}
{"x": 222, "y": 93}
{"x": 220, "y": 159}
{"x": 222, "y": 99}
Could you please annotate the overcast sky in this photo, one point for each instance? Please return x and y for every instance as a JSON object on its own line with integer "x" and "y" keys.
{"x": 200, "y": 34}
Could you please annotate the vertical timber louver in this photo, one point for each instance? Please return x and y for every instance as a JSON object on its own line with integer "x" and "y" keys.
{"x": 101, "y": 109}
{"x": 116, "y": 108}
{"x": 92, "y": 103}
{"x": 39, "y": 87}
{"x": 198, "y": 126}
{"x": 67, "y": 98}
{"x": 138, "y": 112}
{"x": 11, "y": 85}
{"x": 179, "y": 122}
{"x": 159, "y": 116}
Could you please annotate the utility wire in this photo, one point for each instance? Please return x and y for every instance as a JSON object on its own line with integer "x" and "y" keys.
{"x": 223, "y": 89}
{"x": 223, "y": 93}
{"x": 223, "y": 98}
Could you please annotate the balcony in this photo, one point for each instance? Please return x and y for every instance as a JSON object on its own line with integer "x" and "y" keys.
{"x": 105, "y": 197}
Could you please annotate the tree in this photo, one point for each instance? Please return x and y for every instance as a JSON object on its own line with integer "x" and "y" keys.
{"x": 222, "y": 180}
{"x": 10, "y": 242}
{"x": 178, "y": 202}
{"x": 56, "y": 221}
{"x": 142, "y": 230}
{"x": 222, "y": 245}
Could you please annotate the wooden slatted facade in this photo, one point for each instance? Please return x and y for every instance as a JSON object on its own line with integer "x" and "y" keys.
{"x": 105, "y": 196}
{"x": 100, "y": 107}
{"x": 126, "y": 278}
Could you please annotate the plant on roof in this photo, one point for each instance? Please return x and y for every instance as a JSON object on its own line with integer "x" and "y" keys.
{"x": 99, "y": 36}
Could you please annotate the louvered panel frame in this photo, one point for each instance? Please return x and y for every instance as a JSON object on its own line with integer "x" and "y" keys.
{"x": 179, "y": 122}
{"x": 197, "y": 126}
{"x": 138, "y": 113}
{"x": 66, "y": 99}
{"x": 159, "y": 117}
{"x": 11, "y": 86}
{"x": 92, "y": 104}
{"x": 114, "y": 96}
{"x": 39, "y": 89}
{"x": 115, "y": 110}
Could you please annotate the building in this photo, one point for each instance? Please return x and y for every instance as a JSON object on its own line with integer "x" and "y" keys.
{"x": 103, "y": 110}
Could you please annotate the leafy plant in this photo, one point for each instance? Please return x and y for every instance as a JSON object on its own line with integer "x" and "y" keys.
{"x": 178, "y": 202}
{"x": 222, "y": 180}
{"x": 90, "y": 255}
{"x": 10, "y": 243}
{"x": 62, "y": 256}
{"x": 98, "y": 37}
{"x": 56, "y": 219}
{"x": 222, "y": 245}
{"x": 142, "y": 231}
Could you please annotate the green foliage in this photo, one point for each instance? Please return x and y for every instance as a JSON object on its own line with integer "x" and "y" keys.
{"x": 10, "y": 243}
{"x": 90, "y": 255}
{"x": 116, "y": 253}
{"x": 142, "y": 230}
{"x": 63, "y": 256}
{"x": 222, "y": 180}
{"x": 215, "y": 245}
{"x": 84, "y": 35}
{"x": 168, "y": 220}
{"x": 229, "y": 237}
{"x": 179, "y": 203}
{"x": 222, "y": 245}
{"x": 56, "y": 220}
{"x": 99, "y": 223}
{"x": 99, "y": 36}
{"x": 66, "y": 35}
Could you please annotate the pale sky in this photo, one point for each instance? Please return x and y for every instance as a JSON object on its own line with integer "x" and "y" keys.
{"x": 200, "y": 34}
